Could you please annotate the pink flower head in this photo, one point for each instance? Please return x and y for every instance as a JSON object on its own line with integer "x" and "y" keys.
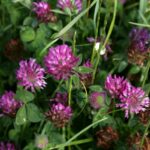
{"x": 97, "y": 99}
{"x": 7, "y": 146}
{"x": 60, "y": 62}
{"x": 31, "y": 75}
{"x": 8, "y": 104}
{"x": 41, "y": 8}
{"x": 59, "y": 114}
{"x": 73, "y": 5}
{"x": 133, "y": 100}
{"x": 116, "y": 85}
{"x": 139, "y": 38}
{"x": 43, "y": 12}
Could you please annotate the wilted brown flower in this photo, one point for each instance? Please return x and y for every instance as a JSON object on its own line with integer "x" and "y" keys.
{"x": 144, "y": 116}
{"x": 139, "y": 46}
{"x": 136, "y": 141}
{"x": 106, "y": 137}
{"x": 136, "y": 57}
{"x": 14, "y": 50}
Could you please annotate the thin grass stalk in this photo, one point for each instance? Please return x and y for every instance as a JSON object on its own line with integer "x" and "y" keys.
{"x": 107, "y": 38}
{"x": 96, "y": 32}
{"x": 146, "y": 73}
{"x": 71, "y": 144}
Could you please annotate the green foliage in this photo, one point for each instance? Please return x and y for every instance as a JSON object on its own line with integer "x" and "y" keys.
{"x": 122, "y": 66}
{"x": 24, "y": 95}
{"x": 96, "y": 88}
{"x": 55, "y": 27}
{"x": 29, "y": 112}
{"x": 82, "y": 69}
{"x": 33, "y": 113}
{"x": 134, "y": 70}
{"x": 26, "y": 3}
{"x": 21, "y": 117}
{"x": 105, "y": 20}
{"x": 27, "y": 34}
{"x": 14, "y": 13}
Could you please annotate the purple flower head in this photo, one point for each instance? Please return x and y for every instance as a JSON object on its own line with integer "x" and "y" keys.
{"x": 31, "y": 75}
{"x": 60, "y": 62}
{"x": 139, "y": 39}
{"x": 86, "y": 77}
{"x": 97, "y": 99}
{"x": 116, "y": 85}
{"x": 73, "y": 5}
{"x": 43, "y": 12}
{"x": 60, "y": 98}
{"x": 8, "y": 104}
{"x": 7, "y": 146}
{"x": 41, "y": 9}
{"x": 59, "y": 114}
{"x": 133, "y": 100}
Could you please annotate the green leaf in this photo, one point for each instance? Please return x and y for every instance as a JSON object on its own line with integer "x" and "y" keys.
{"x": 146, "y": 88}
{"x": 143, "y": 5}
{"x": 13, "y": 134}
{"x": 33, "y": 113}
{"x": 108, "y": 101}
{"x": 14, "y": 14}
{"x": 76, "y": 81}
{"x": 80, "y": 59}
{"x": 26, "y": 3}
{"x": 122, "y": 66}
{"x": 83, "y": 69}
{"x": 96, "y": 88}
{"x": 27, "y": 21}
{"x": 27, "y": 34}
{"x": 67, "y": 11}
{"x": 21, "y": 116}
{"x": 24, "y": 95}
{"x": 41, "y": 39}
{"x": 55, "y": 27}
{"x": 110, "y": 121}
{"x": 134, "y": 70}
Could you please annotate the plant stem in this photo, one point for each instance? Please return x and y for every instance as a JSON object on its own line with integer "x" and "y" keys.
{"x": 85, "y": 129}
{"x": 96, "y": 33}
{"x": 132, "y": 6}
{"x": 43, "y": 51}
{"x": 144, "y": 135}
{"x": 146, "y": 73}
{"x": 60, "y": 83}
{"x": 40, "y": 126}
{"x": 140, "y": 24}
{"x": 86, "y": 99}
{"x": 69, "y": 91}
{"x": 64, "y": 132}
{"x": 69, "y": 103}
{"x": 72, "y": 143}
{"x": 89, "y": 1}
{"x": 74, "y": 42}
{"x": 107, "y": 38}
